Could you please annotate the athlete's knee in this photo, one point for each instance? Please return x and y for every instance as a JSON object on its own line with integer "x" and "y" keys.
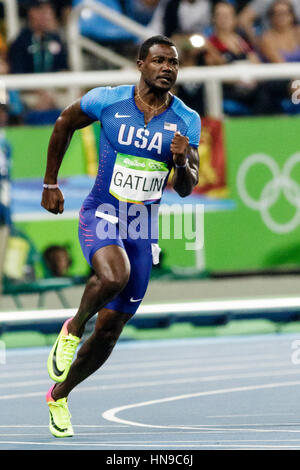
{"x": 112, "y": 267}
{"x": 114, "y": 280}
{"x": 110, "y": 281}
{"x": 109, "y": 326}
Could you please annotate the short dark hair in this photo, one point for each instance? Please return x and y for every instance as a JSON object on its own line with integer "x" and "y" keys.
{"x": 145, "y": 46}
{"x": 273, "y": 5}
{"x": 37, "y": 3}
{"x": 50, "y": 253}
{"x": 223, "y": 2}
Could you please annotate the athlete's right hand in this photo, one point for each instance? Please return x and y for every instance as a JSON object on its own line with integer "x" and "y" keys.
{"x": 53, "y": 200}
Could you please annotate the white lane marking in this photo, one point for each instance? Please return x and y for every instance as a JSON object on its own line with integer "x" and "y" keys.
{"x": 169, "y": 445}
{"x": 28, "y": 383}
{"x": 184, "y": 370}
{"x": 154, "y": 383}
{"x": 154, "y": 363}
{"x": 164, "y": 433}
{"x": 110, "y": 414}
{"x": 260, "y": 304}
{"x": 241, "y": 425}
{"x": 251, "y": 416}
{"x": 220, "y": 441}
{"x": 148, "y": 364}
{"x": 209, "y": 378}
{"x": 22, "y": 373}
{"x": 260, "y": 341}
{"x": 218, "y": 429}
{"x": 76, "y": 426}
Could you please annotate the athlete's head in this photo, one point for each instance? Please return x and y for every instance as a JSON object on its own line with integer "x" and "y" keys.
{"x": 158, "y": 62}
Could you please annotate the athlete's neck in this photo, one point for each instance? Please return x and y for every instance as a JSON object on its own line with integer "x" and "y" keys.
{"x": 151, "y": 98}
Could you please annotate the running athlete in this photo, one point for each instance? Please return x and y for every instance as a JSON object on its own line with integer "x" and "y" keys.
{"x": 145, "y": 132}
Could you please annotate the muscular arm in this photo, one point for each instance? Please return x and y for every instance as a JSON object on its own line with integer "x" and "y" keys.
{"x": 269, "y": 49}
{"x": 185, "y": 178}
{"x": 71, "y": 119}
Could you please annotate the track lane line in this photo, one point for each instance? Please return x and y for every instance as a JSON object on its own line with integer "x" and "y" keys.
{"x": 110, "y": 415}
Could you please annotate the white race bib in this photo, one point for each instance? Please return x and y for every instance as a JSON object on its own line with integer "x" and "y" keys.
{"x": 137, "y": 179}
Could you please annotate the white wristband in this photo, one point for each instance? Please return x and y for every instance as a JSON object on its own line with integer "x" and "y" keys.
{"x": 181, "y": 166}
{"x": 50, "y": 186}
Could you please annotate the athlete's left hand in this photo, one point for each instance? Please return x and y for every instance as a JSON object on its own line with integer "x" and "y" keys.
{"x": 179, "y": 148}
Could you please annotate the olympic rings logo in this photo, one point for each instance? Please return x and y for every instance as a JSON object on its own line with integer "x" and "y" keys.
{"x": 281, "y": 182}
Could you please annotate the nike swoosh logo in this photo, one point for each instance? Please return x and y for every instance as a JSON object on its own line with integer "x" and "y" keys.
{"x": 117, "y": 115}
{"x": 135, "y": 300}
{"x": 56, "y": 371}
{"x": 55, "y": 425}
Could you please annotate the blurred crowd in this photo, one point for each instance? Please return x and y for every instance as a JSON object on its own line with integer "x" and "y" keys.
{"x": 207, "y": 32}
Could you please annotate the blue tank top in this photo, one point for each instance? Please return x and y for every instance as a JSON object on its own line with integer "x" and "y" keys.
{"x": 293, "y": 56}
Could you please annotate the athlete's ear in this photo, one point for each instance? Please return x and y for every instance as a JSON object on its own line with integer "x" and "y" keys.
{"x": 139, "y": 64}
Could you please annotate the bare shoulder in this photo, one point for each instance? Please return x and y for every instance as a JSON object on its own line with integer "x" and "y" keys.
{"x": 267, "y": 37}
{"x": 297, "y": 31}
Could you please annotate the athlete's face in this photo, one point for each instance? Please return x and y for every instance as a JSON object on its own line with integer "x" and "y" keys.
{"x": 160, "y": 68}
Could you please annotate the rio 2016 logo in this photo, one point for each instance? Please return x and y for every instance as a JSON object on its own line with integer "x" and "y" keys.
{"x": 296, "y": 95}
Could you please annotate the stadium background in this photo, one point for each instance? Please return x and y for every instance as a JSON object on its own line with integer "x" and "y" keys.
{"x": 248, "y": 251}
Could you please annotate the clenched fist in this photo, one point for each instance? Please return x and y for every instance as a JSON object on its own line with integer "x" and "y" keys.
{"x": 179, "y": 147}
{"x": 53, "y": 200}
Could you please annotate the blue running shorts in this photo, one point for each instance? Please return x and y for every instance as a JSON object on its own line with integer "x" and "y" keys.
{"x": 96, "y": 232}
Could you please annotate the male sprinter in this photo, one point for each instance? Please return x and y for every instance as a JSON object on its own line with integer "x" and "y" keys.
{"x": 145, "y": 132}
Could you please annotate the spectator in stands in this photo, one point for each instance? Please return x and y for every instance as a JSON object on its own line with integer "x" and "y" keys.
{"x": 281, "y": 42}
{"x": 57, "y": 260}
{"x": 39, "y": 49}
{"x": 185, "y": 20}
{"x": 5, "y": 189}
{"x": 5, "y": 169}
{"x": 4, "y": 68}
{"x": 230, "y": 47}
{"x": 181, "y": 17}
{"x": 257, "y": 11}
{"x": 62, "y": 9}
{"x": 141, "y": 10}
{"x": 238, "y": 4}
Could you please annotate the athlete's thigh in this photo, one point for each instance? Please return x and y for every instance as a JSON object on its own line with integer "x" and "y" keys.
{"x": 139, "y": 253}
{"x": 95, "y": 233}
{"x": 111, "y": 262}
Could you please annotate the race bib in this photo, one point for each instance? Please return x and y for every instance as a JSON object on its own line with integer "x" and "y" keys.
{"x": 138, "y": 180}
